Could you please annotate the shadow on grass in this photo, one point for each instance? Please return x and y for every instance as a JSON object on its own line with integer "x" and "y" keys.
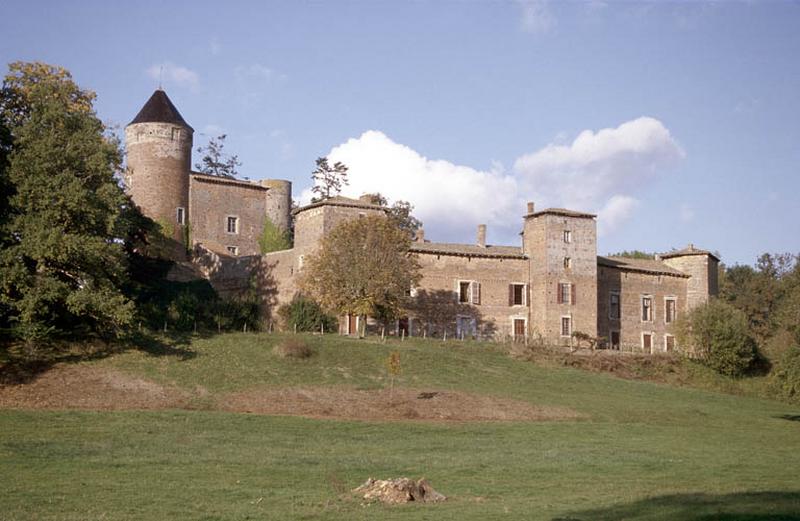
{"x": 746, "y": 506}
{"x": 790, "y": 417}
{"x": 19, "y": 365}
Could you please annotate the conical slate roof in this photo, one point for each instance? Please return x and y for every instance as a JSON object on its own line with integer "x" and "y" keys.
{"x": 159, "y": 109}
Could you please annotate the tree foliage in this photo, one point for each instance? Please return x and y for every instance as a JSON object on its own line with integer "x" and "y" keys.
{"x": 634, "y": 254}
{"x": 273, "y": 238}
{"x": 362, "y": 267}
{"x": 62, "y": 263}
{"x": 718, "y": 335}
{"x": 305, "y": 314}
{"x": 328, "y": 180}
{"x": 215, "y": 161}
{"x": 399, "y": 212}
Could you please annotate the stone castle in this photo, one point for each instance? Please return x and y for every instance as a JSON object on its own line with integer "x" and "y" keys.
{"x": 553, "y": 285}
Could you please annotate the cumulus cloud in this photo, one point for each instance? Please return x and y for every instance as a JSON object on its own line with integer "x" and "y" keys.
{"x": 168, "y": 72}
{"x": 616, "y": 211}
{"x": 450, "y": 199}
{"x": 596, "y": 166}
{"x": 599, "y": 171}
{"x": 536, "y": 16}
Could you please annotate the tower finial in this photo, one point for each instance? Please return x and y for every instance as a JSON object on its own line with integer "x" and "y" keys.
{"x": 160, "y": 77}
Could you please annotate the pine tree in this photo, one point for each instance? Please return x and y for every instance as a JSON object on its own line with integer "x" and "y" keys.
{"x": 62, "y": 263}
{"x": 215, "y": 161}
{"x": 328, "y": 180}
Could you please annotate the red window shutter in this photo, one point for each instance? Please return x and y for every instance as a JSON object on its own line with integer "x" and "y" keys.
{"x": 558, "y": 293}
{"x": 574, "y": 295}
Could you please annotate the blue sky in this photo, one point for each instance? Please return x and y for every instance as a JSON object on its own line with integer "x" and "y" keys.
{"x": 676, "y": 122}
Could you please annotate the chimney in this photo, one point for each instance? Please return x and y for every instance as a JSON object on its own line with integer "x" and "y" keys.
{"x": 420, "y": 235}
{"x": 530, "y": 207}
{"x": 482, "y": 235}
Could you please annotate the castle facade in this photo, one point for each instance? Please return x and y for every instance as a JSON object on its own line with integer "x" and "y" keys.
{"x": 553, "y": 285}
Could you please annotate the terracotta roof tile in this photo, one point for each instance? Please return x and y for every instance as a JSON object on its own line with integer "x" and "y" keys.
{"x": 473, "y": 250}
{"x": 641, "y": 265}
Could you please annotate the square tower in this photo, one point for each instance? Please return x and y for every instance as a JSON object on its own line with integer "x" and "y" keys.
{"x": 561, "y": 246}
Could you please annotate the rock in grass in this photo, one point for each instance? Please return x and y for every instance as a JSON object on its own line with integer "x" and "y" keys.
{"x": 399, "y": 490}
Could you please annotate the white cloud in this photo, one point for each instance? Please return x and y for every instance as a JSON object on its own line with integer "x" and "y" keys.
{"x": 614, "y": 213}
{"x": 256, "y": 72}
{"x": 536, "y": 16}
{"x": 597, "y": 172}
{"x": 168, "y": 72}
{"x": 599, "y": 165}
{"x": 448, "y": 198}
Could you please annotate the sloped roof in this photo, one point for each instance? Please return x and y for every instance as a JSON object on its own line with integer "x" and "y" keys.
{"x": 653, "y": 266}
{"x": 340, "y": 200}
{"x": 208, "y": 178}
{"x": 689, "y": 250}
{"x": 471, "y": 250}
{"x": 562, "y": 211}
{"x": 159, "y": 109}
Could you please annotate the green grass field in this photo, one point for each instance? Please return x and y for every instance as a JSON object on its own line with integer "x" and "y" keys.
{"x": 644, "y": 451}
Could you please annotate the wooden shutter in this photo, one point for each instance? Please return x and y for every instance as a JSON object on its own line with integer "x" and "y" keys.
{"x": 458, "y": 291}
{"x": 510, "y": 294}
{"x": 574, "y": 294}
{"x": 476, "y": 292}
{"x": 558, "y": 293}
{"x": 525, "y": 290}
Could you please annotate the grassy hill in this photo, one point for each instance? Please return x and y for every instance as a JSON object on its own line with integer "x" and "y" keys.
{"x": 622, "y": 449}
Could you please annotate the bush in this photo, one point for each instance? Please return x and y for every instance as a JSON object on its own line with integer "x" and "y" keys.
{"x": 293, "y": 348}
{"x": 306, "y": 315}
{"x": 717, "y": 334}
{"x": 786, "y": 375}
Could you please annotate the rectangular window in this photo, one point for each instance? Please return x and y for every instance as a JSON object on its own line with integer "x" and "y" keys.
{"x": 567, "y": 263}
{"x": 180, "y": 215}
{"x": 613, "y": 306}
{"x": 669, "y": 310}
{"x": 232, "y": 224}
{"x": 647, "y": 309}
{"x": 518, "y": 295}
{"x": 464, "y": 291}
{"x": 567, "y": 236}
{"x": 566, "y": 326}
{"x": 563, "y": 293}
{"x": 469, "y": 292}
{"x": 647, "y": 343}
{"x": 233, "y": 250}
{"x": 669, "y": 343}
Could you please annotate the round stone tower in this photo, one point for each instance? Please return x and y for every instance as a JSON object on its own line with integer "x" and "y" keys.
{"x": 159, "y": 149}
{"x": 279, "y": 202}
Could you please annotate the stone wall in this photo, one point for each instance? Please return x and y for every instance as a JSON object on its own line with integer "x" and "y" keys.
{"x": 543, "y": 242}
{"x": 213, "y": 199}
{"x": 704, "y": 277}
{"x": 158, "y": 158}
{"x": 436, "y": 301}
{"x": 632, "y": 286}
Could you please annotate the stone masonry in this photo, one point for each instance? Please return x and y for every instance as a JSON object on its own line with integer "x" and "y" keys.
{"x": 552, "y": 286}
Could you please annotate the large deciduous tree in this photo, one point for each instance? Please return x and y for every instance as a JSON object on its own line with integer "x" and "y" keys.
{"x": 399, "y": 212}
{"x": 362, "y": 268}
{"x": 328, "y": 180}
{"x": 62, "y": 262}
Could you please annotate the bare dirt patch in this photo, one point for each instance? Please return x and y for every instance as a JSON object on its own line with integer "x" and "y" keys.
{"x": 86, "y": 387}
{"x": 96, "y": 388}
{"x": 402, "y": 404}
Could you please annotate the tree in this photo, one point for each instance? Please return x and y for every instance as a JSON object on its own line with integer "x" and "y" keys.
{"x": 634, "y": 254}
{"x": 216, "y": 161}
{"x": 362, "y": 267}
{"x": 328, "y": 180}
{"x": 399, "y": 212}
{"x": 62, "y": 262}
{"x": 273, "y": 238}
{"x": 718, "y": 335}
